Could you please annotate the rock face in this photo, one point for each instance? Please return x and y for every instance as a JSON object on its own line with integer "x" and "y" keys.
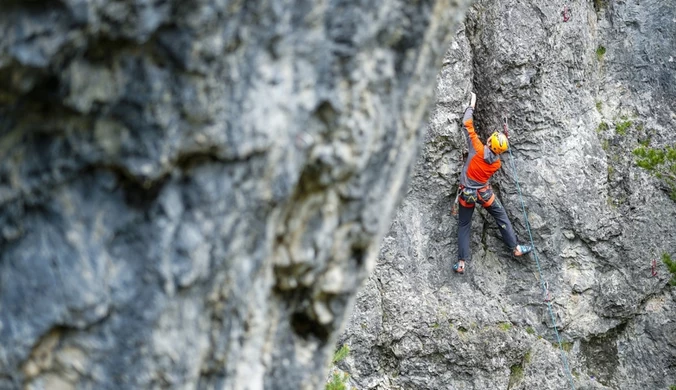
{"x": 581, "y": 95}
{"x": 192, "y": 191}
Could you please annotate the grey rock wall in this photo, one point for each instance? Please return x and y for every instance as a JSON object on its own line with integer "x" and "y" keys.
{"x": 191, "y": 191}
{"x": 580, "y": 95}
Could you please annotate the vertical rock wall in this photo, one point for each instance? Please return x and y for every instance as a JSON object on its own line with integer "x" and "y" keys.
{"x": 191, "y": 191}
{"x": 580, "y": 95}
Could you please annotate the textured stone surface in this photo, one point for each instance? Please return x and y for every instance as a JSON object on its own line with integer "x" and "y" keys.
{"x": 191, "y": 191}
{"x": 597, "y": 219}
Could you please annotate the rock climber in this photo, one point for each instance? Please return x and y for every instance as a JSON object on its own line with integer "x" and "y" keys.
{"x": 482, "y": 162}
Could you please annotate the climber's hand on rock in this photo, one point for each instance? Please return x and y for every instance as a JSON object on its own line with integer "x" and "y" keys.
{"x": 472, "y": 102}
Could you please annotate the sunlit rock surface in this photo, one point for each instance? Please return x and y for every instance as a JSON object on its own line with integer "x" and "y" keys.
{"x": 580, "y": 96}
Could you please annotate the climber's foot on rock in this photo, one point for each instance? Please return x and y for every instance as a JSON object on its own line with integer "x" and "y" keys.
{"x": 521, "y": 250}
{"x": 459, "y": 267}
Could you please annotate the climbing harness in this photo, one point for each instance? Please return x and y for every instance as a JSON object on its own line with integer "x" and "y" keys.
{"x": 470, "y": 196}
{"x": 545, "y": 285}
{"x": 653, "y": 267}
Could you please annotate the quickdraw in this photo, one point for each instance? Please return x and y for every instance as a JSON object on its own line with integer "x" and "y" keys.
{"x": 505, "y": 128}
{"x": 455, "y": 208}
{"x": 548, "y": 295}
{"x": 565, "y": 13}
{"x": 654, "y": 267}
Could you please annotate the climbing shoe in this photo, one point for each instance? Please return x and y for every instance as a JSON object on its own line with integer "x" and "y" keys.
{"x": 459, "y": 268}
{"x": 521, "y": 250}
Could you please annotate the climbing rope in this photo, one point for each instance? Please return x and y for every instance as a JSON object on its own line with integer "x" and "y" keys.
{"x": 545, "y": 285}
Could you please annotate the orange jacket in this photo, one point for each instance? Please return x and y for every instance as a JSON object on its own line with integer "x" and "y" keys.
{"x": 481, "y": 162}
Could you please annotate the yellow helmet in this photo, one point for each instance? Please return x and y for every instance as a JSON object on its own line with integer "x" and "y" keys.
{"x": 498, "y": 143}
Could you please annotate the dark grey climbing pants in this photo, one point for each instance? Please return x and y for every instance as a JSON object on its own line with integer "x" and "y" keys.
{"x": 485, "y": 197}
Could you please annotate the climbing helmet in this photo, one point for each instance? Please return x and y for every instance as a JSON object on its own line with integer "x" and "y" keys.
{"x": 498, "y": 143}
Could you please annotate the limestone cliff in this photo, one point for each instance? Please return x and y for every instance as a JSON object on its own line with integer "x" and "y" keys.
{"x": 584, "y": 84}
{"x": 191, "y": 191}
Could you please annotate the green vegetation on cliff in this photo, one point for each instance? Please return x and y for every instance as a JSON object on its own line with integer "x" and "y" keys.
{"x": 661, "y": 163}
{"x": 671, "y": 266}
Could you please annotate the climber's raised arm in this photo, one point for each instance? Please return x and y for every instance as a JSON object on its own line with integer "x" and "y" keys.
{"x": 468, "y": 125}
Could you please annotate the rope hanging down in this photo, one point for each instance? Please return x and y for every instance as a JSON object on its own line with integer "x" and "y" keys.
{"x": 545, "y": 286}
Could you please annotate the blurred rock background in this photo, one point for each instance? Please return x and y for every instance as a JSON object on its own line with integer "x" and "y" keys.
{"x": 191, "y": 193}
